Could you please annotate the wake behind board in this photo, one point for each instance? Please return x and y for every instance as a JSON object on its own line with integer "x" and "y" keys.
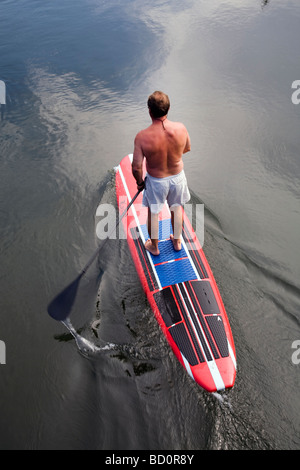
{"x": 181, "y": 291}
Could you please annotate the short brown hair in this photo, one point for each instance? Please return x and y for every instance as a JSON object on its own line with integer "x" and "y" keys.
{"x": 158, "y": 104}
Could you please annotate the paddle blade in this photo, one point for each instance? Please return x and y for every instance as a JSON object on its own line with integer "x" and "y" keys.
{"x": 61, "y": 305}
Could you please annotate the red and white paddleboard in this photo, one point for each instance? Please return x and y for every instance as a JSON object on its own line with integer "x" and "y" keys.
{"x": 181, "y": 290}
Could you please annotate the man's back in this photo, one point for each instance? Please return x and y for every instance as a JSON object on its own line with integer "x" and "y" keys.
{"x": 162, "y": 144}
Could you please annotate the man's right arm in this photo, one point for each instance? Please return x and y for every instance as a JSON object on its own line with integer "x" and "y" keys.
{"x": 137, "y": 162}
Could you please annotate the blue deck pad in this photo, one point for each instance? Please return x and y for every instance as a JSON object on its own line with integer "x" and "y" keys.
{"x": 164, "y": 229}
{"x": 177, "y": 271}
{"x": 167, "y": 253}
{"x": 171, "y": 266}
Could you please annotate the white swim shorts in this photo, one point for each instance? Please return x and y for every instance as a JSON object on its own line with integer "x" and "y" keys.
{"x": 173, "y": 189}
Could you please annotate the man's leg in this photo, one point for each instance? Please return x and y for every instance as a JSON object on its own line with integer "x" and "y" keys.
{"x": 177, "y": 221}
{"x": 152, "y": 244}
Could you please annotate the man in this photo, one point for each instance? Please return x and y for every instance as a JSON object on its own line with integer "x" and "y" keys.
{"x": 162, "y": 144}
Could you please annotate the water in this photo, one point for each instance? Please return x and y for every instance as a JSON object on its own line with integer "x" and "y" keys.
{"x": 77, "y": 78}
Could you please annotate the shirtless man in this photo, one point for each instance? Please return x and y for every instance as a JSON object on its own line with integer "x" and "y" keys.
{"x": 162, "y": 144}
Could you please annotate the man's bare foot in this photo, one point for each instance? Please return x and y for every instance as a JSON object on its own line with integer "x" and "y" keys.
{"x": 176, "y": 242}
{"x": 151, "y": 248}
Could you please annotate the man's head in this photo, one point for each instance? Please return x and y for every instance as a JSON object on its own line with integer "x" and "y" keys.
{"x": 158, "y": 104}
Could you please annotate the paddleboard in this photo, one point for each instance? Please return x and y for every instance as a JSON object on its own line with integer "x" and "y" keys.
{"x": 181, "y": 291}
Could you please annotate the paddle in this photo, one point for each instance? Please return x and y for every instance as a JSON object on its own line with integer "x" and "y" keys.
{"x": 61, "y": 305}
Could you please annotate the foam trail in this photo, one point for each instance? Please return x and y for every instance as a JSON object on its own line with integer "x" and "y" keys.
{"x": 222, "y": 399}
{"x": 83, "y": 344}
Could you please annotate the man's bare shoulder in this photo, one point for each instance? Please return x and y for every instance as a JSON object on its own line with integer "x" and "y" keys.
{"x": 177, "y": 128}
{"x": 178, "y": 125}
{"x": 142, "y": 133}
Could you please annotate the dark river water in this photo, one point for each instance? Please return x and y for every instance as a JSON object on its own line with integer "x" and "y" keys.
{"x": 78, "y": 74}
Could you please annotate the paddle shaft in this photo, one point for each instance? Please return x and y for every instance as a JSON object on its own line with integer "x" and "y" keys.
{"x": 88, "y": 264}
{"x": 61, "y": 305}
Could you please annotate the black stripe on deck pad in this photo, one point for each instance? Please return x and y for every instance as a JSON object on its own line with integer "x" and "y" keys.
{"x": 216, "y": 326}
{"x": 181, "y": 338}
{"x": 167, "y": 306}
{"x": 206, "y": 297}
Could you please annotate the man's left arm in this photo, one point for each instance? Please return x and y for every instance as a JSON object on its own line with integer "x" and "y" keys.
{"x": 188, "y": 143}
